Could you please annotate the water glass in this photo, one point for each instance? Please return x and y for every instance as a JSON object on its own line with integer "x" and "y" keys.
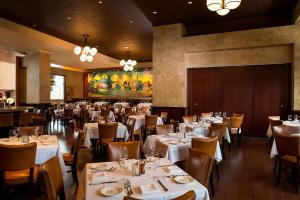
{"x": 224, "y": 114}
{"x": 295, "y": 117}
{"x": 12, "y": 134}
{"x": 290, "y": 118}
{"x": 123, "y": 157}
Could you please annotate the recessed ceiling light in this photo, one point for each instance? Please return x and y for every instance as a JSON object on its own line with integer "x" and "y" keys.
{"x": 154, "y": 12}
{"x": 69, "y": 18}
{"x": 34, "y": 25}
{"x": 100, "y": 2}
{"x": 126, "y": 47}
{"x": 96, "y": 46}
{"x": 190, "y": 2}
{"x": 4, "y": 40}
{"x": 131, "y": 21}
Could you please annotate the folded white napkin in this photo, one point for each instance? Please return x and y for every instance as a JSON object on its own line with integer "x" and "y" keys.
{"x": 148, "y": 188}
{"x": 173, "y": 170}
{"x": 98, "y": 177}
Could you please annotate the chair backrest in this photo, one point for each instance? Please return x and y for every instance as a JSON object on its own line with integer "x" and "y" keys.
{"x": 128, "y": 110}
{"x": 150, "y": 120}
{"x": 68, "y": 112}
{"x": 52, "y": 179}
{"x": 227, "y": 120}
{"x": 199, "y": 166}
{"x": 276, "y": 122}
{"x": 6, "y": 120}
{"x": 175, "y": 124}
{"x": 205, "y": 145}
{"x": 130, "y": 126}
{"x": 273, "y": 117}
{"x": 279, "y": 130}
{"x": 107, "y": 130}
{"x": 207, "y": 114}
{"x": 25, "y": 119}
{"x": 164, "y": 129}
{"x": 236, "y": 122}
{"x": 105, "y": 114}
{"x": 77, "y": 145}
{"x": 26, "y": 130}
{"x": 217, "y": 130}
{"x": 190, "y": 195}
{"x": 115, "y": 150}
{"x": 287, "y": 145}
{"x": 17, "y": 157}
{"x": 187, "y": 119}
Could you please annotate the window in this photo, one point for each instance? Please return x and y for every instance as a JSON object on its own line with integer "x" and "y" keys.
{"x": 57, "y": 91}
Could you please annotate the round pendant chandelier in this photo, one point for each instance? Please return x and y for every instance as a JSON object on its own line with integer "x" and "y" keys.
{"x": 87, "y": 53}
{"x": 128, "y": 65}
{"x": 222, "y": 7}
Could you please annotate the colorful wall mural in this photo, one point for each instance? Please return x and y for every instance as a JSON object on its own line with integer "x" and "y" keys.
{"x": 116, "y": 83}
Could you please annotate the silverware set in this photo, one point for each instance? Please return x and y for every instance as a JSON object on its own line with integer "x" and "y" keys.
{"x": 103, "y": 183}
{"x": 95, "y": 170}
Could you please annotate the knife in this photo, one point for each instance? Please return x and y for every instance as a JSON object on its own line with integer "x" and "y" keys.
{"x": 162, "y": 185}
{"x": 103, "y": 182}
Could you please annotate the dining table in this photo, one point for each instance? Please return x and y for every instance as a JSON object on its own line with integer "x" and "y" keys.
{"x": 47, "y": 148}
{"x": 161, "y": 180}
{"x": 97, "y": 113}
{"x": 91, "y": 132}
{"x": 175, "y": 146}
{"x": 140, "y": 121}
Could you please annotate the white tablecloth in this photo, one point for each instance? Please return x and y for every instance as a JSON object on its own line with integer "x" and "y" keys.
{"x": 60, "y": 112}
{"x": 47, "y": 148}
{"x": 101, "y": 103}
{"x": 174, "y": 152}
{"x": 91, "y": 132}
{"x": 94, "y": 114}
{"x": 140, "y": 121}
{"x": 123, "y": 104}
{"x": 174, "y": 189}
{"x": 148, "y": 105}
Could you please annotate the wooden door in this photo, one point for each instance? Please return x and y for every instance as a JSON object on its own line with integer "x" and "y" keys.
{"x": 256, "y": 91}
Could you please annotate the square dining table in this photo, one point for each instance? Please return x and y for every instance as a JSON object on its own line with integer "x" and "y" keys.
{"x": 155, "y": 172}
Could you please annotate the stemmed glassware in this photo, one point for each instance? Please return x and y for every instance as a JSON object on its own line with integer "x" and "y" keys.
{"x": 123, "y": 157}
{"x": 290, "y": 118}
{"x": 13, "y": 134}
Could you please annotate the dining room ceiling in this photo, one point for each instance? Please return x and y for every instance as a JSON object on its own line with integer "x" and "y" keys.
{"x": 119, "y": 26}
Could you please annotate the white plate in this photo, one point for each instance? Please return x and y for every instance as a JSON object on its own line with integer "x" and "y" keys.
{"x": 183, "y": 179}
{"x": 174, "y": 142}
{"x": 111, "y": 191}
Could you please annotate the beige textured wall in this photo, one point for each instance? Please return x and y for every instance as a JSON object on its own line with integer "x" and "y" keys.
{"x": 74, "y": 82}
{"x": 37, "y": 81}
{"x": 173, "y": 54}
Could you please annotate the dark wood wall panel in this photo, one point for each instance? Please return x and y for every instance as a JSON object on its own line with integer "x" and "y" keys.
{"x": 256, "y": 91}
{"x": 175, "y": 113}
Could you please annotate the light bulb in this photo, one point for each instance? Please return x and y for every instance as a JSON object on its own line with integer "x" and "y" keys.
{"x": 223, "y": 12}
{"x": 93, "y": 51}
{"x": 83, "y": 58}
{"x": 125, "y": 68}
{"x": 129, "y": 62}
{"x": 232, "y": 4}
{"x": 134, "y": 63}
{"x": 86, "y": 49}
{"x": 214, "y": 5}
{"x": 89, "y": 58}
{"x": 130, "y": 68}
{"x": 122, "y": 62}
{"x": 77, "y": 50}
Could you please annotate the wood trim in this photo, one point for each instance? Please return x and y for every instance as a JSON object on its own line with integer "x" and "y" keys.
{"x": 175, "y": 113}
{"x": 18, "y": 69}
{"x": 85, "y": 85}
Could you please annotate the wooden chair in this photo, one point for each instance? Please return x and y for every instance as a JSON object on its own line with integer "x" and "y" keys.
{"x": 187, "y": 119}
{"x": 272, "y": 123}
{"x": 6, "y": 123}
{"x": 105, "y": 114}
{"x": 288, "y": 148}
{"x": 137, "y": 136}
{"x": 17, "y": 165}
{"x": 70, "y": 159}
{"x": 107, "y": 134}
{"x": 68, "y": 115}
{"x": 25, "y": 119}
{"x": 199, "y": 166}
{"x": 130, "y": 126}
{"x": 235, "y": 128}
{"x": 115, "y": 150}
{"x": 26, "y": 131}
{"x": 237, "y": 115}
{"x": 219, "y": 130}
{"x": 52, "y": 180}
{"x": 150, "y": 123}
{"x": 164, "y": 116}
{"x": 207, "y": 114}
{"x": 175, "y": 124}
{"x": 207, "y": 146}
{"x": 164, "y": 129}
{"x": 274, "y": 117}
{"x": 41, "y": 119}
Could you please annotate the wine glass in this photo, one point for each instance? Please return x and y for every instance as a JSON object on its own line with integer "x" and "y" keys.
{"x": 171, "y": 128}
{"x": 123, "y": 157}
{"x": 224, "y": 114}
{"x": 36, "y": 132}
{"x": 12, "y": 134}
{"x": 295, "y": 117}
{"x": 194, "y": 118}
{"x": 289, "y": 117}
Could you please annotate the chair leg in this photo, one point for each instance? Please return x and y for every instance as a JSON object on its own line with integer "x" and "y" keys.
{"x": 217, "y": 170}
{"x": 211, "y": 183}
{"x": 222, "y": 150}
{"x": 275, "y": 164}
{"x": 279, "y": 173}
{"x": 239, "y": 139}
{"x": 75, "y": 174}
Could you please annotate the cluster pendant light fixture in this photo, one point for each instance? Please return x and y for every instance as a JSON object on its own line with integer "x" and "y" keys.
{"x": 87, "y": 53}
{"x": 128, "y": 65}
{"x": 222, "y": 7}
